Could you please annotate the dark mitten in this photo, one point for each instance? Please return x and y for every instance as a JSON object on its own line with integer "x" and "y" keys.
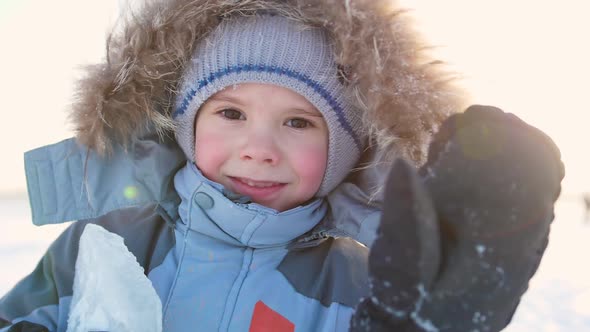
{"x": 459, "y": 241}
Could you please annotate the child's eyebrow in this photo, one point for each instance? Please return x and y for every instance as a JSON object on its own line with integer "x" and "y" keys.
{"x": 221, "y": 97}
{"x": 237, "y": 101}
{"x": 307, "y": 112}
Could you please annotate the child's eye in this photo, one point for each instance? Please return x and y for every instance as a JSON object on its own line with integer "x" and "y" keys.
{"x": 298, "y": 123}
{"x": 231, "y": 114}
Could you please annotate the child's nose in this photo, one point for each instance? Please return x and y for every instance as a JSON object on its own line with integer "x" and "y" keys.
{"x": 260, "y": 148}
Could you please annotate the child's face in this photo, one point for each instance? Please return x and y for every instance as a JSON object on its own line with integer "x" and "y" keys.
{"x": 263, "y": 141}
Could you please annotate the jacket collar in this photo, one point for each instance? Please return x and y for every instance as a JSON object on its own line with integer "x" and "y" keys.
{"x": 207, "y": 208}
{"x": 67, "y": 181}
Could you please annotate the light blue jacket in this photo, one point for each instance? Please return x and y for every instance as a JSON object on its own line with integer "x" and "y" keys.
{"x": 217, "y": 264}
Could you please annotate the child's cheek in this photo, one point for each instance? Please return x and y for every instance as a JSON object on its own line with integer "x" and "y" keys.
{"x": 311, "y": 166}
{"x": 210, "y": 153}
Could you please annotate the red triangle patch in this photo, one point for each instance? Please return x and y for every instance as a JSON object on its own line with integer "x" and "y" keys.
{"x": 265, "y": 319}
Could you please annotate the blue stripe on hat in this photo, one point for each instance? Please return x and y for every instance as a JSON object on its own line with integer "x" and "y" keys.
{"x": 275, "y": 70}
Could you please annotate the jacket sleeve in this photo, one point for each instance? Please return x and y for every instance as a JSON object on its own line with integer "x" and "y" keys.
{"x": 41, "y": 301}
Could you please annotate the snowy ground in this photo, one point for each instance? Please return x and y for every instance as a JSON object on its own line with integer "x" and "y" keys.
{"x": 558, "y": 298}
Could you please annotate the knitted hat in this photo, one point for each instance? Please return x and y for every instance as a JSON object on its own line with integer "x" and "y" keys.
{"x": 274, "y": 50}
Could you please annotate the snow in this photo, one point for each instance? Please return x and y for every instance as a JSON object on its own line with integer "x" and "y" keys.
{"x": 111, "y": 292}
{"x": 422, "y": 322}
{"x": 558, "y": 298}
{"x": 480, "y": 249}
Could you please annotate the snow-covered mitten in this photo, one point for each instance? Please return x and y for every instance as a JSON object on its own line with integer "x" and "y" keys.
{"x": 459, "y": 241}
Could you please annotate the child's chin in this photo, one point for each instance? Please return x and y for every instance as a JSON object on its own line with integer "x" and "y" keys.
{"x": 270, "y": 204}
{"x": 276, "y": 205}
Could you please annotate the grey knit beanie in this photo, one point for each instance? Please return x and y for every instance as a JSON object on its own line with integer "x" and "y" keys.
{"x": 274, "y": 50}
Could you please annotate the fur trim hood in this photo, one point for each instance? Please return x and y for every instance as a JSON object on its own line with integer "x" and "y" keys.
{"x": 404, "y": 95}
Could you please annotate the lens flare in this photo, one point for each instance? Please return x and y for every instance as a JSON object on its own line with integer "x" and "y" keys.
{"x": 130, "y": 192}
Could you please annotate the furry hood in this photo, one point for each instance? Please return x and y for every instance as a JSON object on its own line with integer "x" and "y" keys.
{"x": 403, "y": 94}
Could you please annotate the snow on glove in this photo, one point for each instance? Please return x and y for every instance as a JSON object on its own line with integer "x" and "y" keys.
{"x": 458, "y": 243}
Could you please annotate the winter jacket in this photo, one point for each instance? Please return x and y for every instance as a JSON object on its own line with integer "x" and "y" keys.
{"x": 122, "y": 120}
{"x": 207, "y": 256}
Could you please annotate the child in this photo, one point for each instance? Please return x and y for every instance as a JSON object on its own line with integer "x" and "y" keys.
{"x": 286, "y": 112}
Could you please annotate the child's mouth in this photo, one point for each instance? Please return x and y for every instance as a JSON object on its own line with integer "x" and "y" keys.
{"x": 257, "y": 184}
{"x": 256, "y": 190}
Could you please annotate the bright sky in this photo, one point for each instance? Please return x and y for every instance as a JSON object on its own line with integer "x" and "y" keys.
{"x": 526, "y": 56}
